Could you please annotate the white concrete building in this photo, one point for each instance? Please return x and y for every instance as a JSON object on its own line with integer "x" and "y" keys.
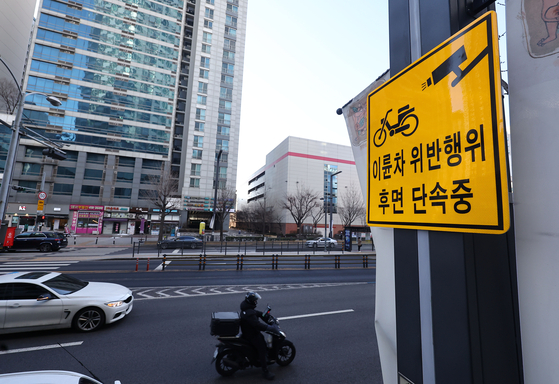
{"x": 298, "y": 163}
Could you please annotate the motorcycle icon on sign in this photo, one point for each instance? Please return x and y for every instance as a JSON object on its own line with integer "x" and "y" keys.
{"x": 407, "y": 125}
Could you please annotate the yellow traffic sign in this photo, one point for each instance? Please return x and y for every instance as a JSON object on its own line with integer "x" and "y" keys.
{"x": 40, "y": 205}
{"x": 436, "y": 139}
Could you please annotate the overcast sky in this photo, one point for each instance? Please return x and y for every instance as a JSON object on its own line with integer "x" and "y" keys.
{"x": 303, "y": 60}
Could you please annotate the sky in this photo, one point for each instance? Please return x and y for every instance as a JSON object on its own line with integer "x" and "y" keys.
{"x": 302, "y": 62}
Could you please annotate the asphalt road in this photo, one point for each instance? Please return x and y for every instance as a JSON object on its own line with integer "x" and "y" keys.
{"x": 166, "y": 338}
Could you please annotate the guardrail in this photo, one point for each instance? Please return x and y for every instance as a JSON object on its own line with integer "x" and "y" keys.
{"x": 274, "y": 261}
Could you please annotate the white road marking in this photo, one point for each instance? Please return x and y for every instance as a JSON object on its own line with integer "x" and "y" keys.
{"x": 315, "y": 314}
{"x": 52, "y": 346}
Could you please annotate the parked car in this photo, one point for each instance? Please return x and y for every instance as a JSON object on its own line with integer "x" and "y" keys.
{"x": 319, "y": 243}
{"x": 43, "y": 241}
{"x": 48, "y": 377}
{"x": 181, "y": 242}
{"x": 46, "y": 300}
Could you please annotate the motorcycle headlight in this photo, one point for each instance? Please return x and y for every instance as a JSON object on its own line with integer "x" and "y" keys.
{"x": 114, "y": 304}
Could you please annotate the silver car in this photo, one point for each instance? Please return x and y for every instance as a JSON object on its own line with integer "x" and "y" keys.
{"x": 46, "y": 300}
{"x": 319, "y": 243}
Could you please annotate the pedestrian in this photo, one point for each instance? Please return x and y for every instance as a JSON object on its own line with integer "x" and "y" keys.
{"x": 359, "y": 243}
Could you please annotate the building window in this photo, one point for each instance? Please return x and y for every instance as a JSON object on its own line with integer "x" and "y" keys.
{"x": 231, "y": 31}
{"x": 194, "y": 183}
{"x": 204, "y": 62}
{"x": 231, "y": 21}
{"x": 224, "y": 104}
{"x": 200, "y": 114}
{"x": 90, "y": 190}
{"x": 198, "y": 141}
{"x": 198, "y": 126}
{"x": 228, "y": 68}
{"x": 204, "y": 73}
{"x": 149, "y": 179}
{"x": 229, "y": 44}
{"x": 207, "y": 37}
{"x": 95, "y": 158}
{"x": 35, "y": 152}
{"x": 123, "y": 193}
{"x": 126, "y": 177}
{"x": 232, "y": 8}
{"x": 202, "y": 99}
{"x": 210, "y": 2}
{"x": 152, "y": 164}
{"x": 126, "y": 161}
{"x": 202, "y": 87}
{"x": 66, "y": 172}
{"x": 63, "y": 189}
{"x": 209, "y": 13}
{"x": 228, "y": 55}
{"x": 226, "y": 93}
{"x": 206, "y": 48}
{"x": 222, "y": 173}
{"x": 224, "y": 118}
{"x": 208, "y": 24}
{"x": 227, "y": 79}
{"x": 31, "y": 169}
{"x": 222, "y": 144}
{"x": 223, "y": 130}
{"x": 197, "y": 154}
{"x": 93, "y": 174}
{"x": 195, "y": 169}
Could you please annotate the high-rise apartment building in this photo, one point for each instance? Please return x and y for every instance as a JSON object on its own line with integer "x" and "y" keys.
{"x": 146, "y": 85}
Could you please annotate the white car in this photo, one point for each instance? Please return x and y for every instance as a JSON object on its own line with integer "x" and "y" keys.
{"x": 48, "y": 377}
{"x": 319, "y": 243}
{"x": 46, "y": 300}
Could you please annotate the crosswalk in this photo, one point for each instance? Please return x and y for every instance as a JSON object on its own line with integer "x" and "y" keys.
{"x": 19, "y": 266}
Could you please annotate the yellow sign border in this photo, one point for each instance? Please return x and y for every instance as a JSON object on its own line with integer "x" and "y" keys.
{"x": 498, "y": 144}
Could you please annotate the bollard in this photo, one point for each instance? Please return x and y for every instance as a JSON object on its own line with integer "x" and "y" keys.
{"x": 113, "y": 240}
{"x": 147, "y": 269}
{"x": 204, "y": 265}
{"x": 200, "y": 263}
{"x": 74, "y": 240}
{"x": 242, "y": 262}
{"x": 137, "y": 262}
{"x": 96, "y": 240}
{"x": 365, "y": 261}
{"x": 238, "y": 260}
{"x": 131, "y": 239}
{"x": 164, "y": 260}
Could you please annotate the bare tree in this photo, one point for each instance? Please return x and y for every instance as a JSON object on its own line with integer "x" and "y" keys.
{"x": 300, "y": 205}
{"x": 317, "y": 215}
{"x": 164, "y": 195}
{"x": 352, "y": 206}
{"x": 8, "y": 95}
{"x": 225, "y": 203}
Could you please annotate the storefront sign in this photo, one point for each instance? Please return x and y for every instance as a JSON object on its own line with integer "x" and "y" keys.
{"x": 77, "y": 207}
{"x": 117, "y": 209}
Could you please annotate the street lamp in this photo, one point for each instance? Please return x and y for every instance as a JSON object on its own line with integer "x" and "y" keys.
{"x": 325, "y": 221}
{"x": 12, "y": 150}
{"x": 330, "y": 201}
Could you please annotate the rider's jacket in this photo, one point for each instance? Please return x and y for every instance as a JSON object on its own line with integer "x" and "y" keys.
{"x": 250, "y": 320}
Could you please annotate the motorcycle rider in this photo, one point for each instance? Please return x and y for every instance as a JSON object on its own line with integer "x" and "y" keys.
{"x": 251, "y": 326}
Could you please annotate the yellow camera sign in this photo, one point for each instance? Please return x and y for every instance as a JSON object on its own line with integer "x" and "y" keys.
{"x": 436, "y": 139}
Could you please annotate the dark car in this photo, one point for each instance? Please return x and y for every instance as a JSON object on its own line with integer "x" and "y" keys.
{"x": 43, "y": 241}
{"x": 181, "y": 242}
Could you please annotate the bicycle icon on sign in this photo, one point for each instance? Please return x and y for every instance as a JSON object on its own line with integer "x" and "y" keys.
{"x": 407, "y": 125}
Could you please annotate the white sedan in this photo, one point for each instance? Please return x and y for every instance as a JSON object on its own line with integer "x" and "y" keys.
{"x": 319, "y": 243}
{"x": 48, "y": 377}
{"x": 46, "y": 300}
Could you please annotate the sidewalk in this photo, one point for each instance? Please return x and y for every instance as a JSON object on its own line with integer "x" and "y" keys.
{"x": 108, "y": 240}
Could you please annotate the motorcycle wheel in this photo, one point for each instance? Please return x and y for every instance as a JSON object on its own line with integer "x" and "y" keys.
{"x": 221, "y": 367}
{"x": 286, "y": 353}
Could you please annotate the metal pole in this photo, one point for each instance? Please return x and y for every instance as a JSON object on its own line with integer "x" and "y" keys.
{"x": 330, "y": 202}
{"x": 215, "y": 191}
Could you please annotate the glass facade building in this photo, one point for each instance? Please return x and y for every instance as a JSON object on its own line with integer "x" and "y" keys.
{"x": 144, "y": 84}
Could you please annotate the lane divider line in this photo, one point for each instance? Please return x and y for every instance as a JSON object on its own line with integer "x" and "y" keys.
{"x": 52, "y": 346}
{"x": 316, "y": 314}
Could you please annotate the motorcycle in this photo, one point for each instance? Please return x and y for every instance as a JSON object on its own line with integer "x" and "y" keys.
{"x": 234, "y": 353}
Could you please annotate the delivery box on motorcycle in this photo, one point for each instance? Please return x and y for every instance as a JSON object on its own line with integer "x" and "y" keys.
{"x": 225, "y": 324}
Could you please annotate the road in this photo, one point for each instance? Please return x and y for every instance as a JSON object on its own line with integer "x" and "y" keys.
{"x": 166, "y": 338}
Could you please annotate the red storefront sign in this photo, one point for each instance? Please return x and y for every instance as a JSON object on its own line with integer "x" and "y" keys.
{"x": 10, "y": 234}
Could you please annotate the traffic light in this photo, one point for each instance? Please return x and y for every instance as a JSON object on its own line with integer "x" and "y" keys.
{"x": 43, "y": 217}
{"x": 56, "y": 154}
{"x": 18, "y": 188}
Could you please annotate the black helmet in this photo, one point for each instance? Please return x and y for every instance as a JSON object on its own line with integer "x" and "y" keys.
{"x": 252, "y": 297}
